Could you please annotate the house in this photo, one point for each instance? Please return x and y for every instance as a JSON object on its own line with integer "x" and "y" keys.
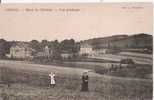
{"x": 66, "y": 55}
{"x": 47, "y": 52}
{"x": 101, "y": 51}
{"x": 21, "y": 51}
{"x": 86, "y": 49}
{"x": 105, "y": 51}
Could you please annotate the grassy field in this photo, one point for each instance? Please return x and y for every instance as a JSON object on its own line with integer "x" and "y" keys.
{"x": 138, "y": 58}
{"x": 31, "y": 82}
{"x": 142, "y": 71}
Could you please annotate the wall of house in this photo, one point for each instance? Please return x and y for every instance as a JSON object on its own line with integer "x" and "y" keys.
{"x": 86, "y": 50}
{"x": 19, "y": 52}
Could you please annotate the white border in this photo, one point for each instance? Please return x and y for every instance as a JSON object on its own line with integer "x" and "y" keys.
{"x": 71, "y": 1}
{"x": 49, "y": 1}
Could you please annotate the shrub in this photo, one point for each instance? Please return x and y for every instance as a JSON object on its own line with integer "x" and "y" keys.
{"x": 101, "y": 70}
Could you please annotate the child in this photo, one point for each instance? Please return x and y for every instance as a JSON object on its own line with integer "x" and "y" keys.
{"x": 52, "y": 79}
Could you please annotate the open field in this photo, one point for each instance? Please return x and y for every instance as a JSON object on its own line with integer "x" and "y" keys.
{"x": 148, "y": 56}
{"x": 138, "y": 58}
{"x": 31, "y": 81}
{"x": 142, "y": 71}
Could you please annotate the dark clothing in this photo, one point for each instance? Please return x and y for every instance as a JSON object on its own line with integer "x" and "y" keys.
{"x": 84, "y": 83}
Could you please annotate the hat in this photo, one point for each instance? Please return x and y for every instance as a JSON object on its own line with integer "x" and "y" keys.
{"x": 85, "y": 71}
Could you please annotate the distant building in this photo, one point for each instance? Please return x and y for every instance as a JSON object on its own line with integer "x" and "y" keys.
{"x": 101, "y": 51}
{"x": 86, "y": 49}
{"x": 47, "y": 52}
{"x": 21, "y": 51}
{"x": 66, "y": 55}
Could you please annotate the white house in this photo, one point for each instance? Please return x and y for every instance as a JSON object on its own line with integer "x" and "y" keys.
{"x": 86, "y": 49}
{"x": 21, "y": 51}
{"x": 102, "y": 51}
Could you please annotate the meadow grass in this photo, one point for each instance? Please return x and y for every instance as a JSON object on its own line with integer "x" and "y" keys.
{"x": 34, "y": 85}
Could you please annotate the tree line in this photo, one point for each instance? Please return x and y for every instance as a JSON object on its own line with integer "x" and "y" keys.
{"x": 67, "y": 45}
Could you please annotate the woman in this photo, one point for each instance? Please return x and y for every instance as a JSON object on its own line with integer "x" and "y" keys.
{"x": 85, "y": 81}
{"x": 52, "y": 79}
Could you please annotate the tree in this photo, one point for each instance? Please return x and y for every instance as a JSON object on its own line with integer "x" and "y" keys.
{"x": 4, "y": 48}
{"x": 44, "y": 43}
{"x": 35, "y": 45}
{"x": 56, "y": 51}
{"x": 69, "y": 46}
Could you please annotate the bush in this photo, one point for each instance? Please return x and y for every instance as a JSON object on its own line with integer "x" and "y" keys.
{"x": 101, "y": 70}
{"x": 127, "y": 61}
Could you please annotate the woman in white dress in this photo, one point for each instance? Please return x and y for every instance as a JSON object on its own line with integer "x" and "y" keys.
{"x": 52, "y": 79}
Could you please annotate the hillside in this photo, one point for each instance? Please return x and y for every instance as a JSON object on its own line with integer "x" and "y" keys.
{"x": 122, "y": 41}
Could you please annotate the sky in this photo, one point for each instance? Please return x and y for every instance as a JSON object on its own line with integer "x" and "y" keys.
{"x": 25, "y": 22}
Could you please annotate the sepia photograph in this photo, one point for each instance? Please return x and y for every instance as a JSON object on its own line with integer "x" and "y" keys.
{"x": 82, "y": 51}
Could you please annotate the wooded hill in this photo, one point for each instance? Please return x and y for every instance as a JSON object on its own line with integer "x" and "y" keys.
{"x": 141, "y": 40}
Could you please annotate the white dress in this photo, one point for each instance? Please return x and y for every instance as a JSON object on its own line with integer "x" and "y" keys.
{"x": 52, "y": 78}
